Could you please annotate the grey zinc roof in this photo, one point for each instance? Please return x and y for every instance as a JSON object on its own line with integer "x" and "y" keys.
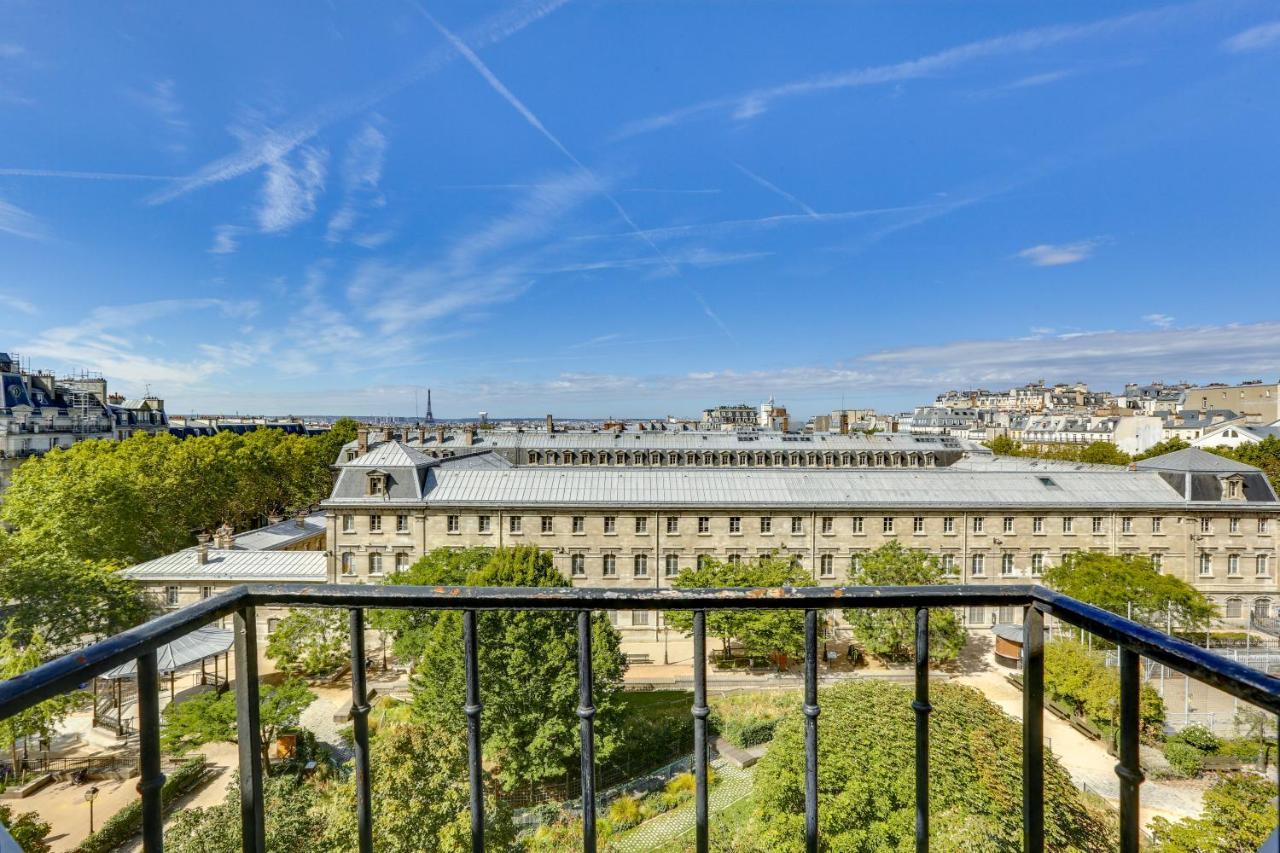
{"x": 185, "y": 651}
{"x": 223, "y": 565}
{"x": 1195, "y": 460}
{"x": 841, "y": 487}
{"x": 390, "y": 454}
{"x": 688, "y": 440}
{"x": 280, "y": 535}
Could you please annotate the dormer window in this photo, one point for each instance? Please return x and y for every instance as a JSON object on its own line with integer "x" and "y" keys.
{"x": 377, "y": 483}
{"x": 1233, "y": 488}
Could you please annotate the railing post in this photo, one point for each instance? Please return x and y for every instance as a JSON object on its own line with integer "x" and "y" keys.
{"x": 1033, "y": 730}
{"x": 249, "y": 734}
{"x": 360, "y": 727}
{"x": 472, "y": 709}
{"x": 922, "y": 708}
{"x": 700, "y": 713}
{"x": 811, "y": 712}
{"x": 586, "y": 732}
{"x": 1129, "y": 769}
{"x": 151, "y": 780}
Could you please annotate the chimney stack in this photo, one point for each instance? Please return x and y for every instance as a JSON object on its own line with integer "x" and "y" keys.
{"x": 469, "y": 435}
{"x": 274, "y": 518}
{"x": 224, "y": 537}
{"x": 440, "y": 435}
{"x": 551, "y": 425}
{"x": 362, "y": 440}
{"x": 300, "y": 518}
{"x": 202, "y": 548}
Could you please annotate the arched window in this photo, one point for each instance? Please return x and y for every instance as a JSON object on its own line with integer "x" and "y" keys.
{"x": 1234, "y": 608}
{"x": 1262, "y": 608}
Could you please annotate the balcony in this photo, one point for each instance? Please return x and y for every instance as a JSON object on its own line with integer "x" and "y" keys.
{"x": 1133, "y": 641}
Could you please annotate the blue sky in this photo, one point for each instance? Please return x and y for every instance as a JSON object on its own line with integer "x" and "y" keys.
{"x": 632, "y": 209}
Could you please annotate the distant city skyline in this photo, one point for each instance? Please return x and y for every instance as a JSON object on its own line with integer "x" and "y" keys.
{"x": 595, "y": 209}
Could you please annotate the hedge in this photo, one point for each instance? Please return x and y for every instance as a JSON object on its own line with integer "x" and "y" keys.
{"x": 126, "y": 823}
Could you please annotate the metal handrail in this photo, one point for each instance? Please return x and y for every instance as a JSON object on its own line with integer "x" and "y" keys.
{"x": 1133, "y": 640}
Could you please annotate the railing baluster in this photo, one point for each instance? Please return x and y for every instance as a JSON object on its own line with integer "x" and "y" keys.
{"x": 1033, "y": 730}
{"x": 360, "y": 726}
{"x": 249, "y": 735}
{"x": 922, "y": 708}
{"x": 811, "y": 712}
{"x": 586, "y": 731}
{"x": 1129, "y": 769}
{"x": 472, "y": 709}
{"x": 151, "y": 780}
{"x": 700, "y": 712}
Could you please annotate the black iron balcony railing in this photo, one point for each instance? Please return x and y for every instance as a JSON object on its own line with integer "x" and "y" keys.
{"x": 1133, "y": 640}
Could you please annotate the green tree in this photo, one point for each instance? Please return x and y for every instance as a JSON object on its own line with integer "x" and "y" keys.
{"x": 1160, "y": 448}
{"x": 891, "y": 634}
{"x": 1079, "y": 678}
{"x": 421, "y": 796}
{"x": 1264, "y": 454}
{"x": 1104, "y": 453}
{"x": 759, "y": 633}
{"x": 1239, "y": 815}
{"x": 528, "y": 675}
{"x": 440, "y": 567}
{"x": 1003, "y": 445}
{"x": 292, "y": 817}
{"x": 1127, "y": 584}
{"x": 27, "y": 829}
{"x": 310, "y": 641}
{"x": 866, "y": 777}
{"x": 40, "y": 719}
{"x": 212, "y": 717}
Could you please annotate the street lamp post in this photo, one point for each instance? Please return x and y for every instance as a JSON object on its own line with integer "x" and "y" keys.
{"x": 89, "y": 796}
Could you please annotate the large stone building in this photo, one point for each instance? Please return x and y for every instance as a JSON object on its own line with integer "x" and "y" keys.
{"x": 1208, "y": 520}
{"x": 1258, "y": 401}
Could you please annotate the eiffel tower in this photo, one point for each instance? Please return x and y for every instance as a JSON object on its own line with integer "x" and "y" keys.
{"x": 430, "y": 417}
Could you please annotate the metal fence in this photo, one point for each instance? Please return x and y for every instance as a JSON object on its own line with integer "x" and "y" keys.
{"x": 1133, "y": 640}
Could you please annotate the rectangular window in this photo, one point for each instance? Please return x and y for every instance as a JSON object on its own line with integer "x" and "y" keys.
{"x": 855, "y": 562}
{"x": 826, "y": 566}
{"x": 640, "y": 566}
{"x": 610, "y": 565}
{"x": 673, "y": 524}
{"x": 886, "y": 525}
{"x": 978, "y": 566}
{"x": 642, "y": 524}
{"x": 828, "y": 524}
{"x": 171, "y": 596}
{"x": 949, "y": 524}
{"x": 548, "y": 524}
{"x": 1206, "y": 526}
{"x": 703, "y": 561}
{"x": 1126, "y": 524}
{"x": 949, "y": 564}
{"x": 514, "y": 523}
{"x": 977, "y": 615}
{"x": 206, "y": 592}
{"x": 1157, "y": 524}
{"x": 704, "y": 524}
{"x": 640, "y": 618}
{"x": 454, "y": 524}
{"x": 1260, "y": 566}
{"x": 610, "y": 524}
{"x": 578, "y": 566}
{"x": 1008, "y": 524}
{"x": 857, "y": 524}
{"x": 734, "y": 560}
{"x": 402, "y": 562}
{"x": 1006, "y": 565}
{"x": 977, "y": 524}
{"x": 348, "y": 564}
{"x": 1233, "y": 565}
{"x": 375, "y": 564}
{"x": 1157, "y": 561}
{"x": 1206, "y": 565}
{"x": 1097, "y": 524}
{"x": 1037, "y": 524}
{"x": 735, "y": 524}
{"x": 402, "y": 523}
{"x": 348, "y": 523}
{"x": 1037, "y": 564}
{"x": 917, "y": 524}
{"x": 375, "y": 524}
{"x": 766, "y": 524}
{"x": 1262, "y": 525}
{"x": 1068, "y": 523}
{"x": 484, "y": 523}
{"x": 579, "y": 524}
{"x": 671, "y": 566}
{"x": 797, "y": 524}
{"x": 1234, "y": 525}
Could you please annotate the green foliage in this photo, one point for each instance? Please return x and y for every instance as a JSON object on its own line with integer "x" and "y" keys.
{"x": 126, "y": 823}
{"x": 1239, "y": 814}
{"x": 26, "y": 828}
{"x": 866, "y": 778}
{"x": 658, "y": 728}
{"x": 1097, "y": 452}
{"x": 292, "y": 817}
{"x": 1199, "y": 737}
{"x": 310, "y": 641}
{"x": 1185, "y": 759}
{"x": 528, "y": 675}
{"x": 749, "y": 719}
{"x": 1079, "y": 678}
{"x": 624, "y": 812}
{"x": 211, "y": 717}
{"x": 40, "y": 719}
{"x": 760, "y": 633}
{"x": 1169, "y": 445}
{"x": 1264, "y": 454}
{"x": 411, "y": 629}
{"x": 891, "y": 634}
{"x": 1114, "y": 582}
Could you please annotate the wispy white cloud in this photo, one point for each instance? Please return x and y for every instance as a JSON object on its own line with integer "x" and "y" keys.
{"x": 226, "y": 239}
{"x": 729, "y": 226}
{"x": 1254, "y": 38}
{"x": 1059, "y": 254}
{"x": 161, "y": 99}
{"x": 752, "y": 103}
{"x": 18, "y": 222}
{"x": 15, "y": 303}
{"x": 290, "y": 189}
{"x": 84, "y": 176}
{"x": 361, "y": 173}
{"x": 278, "y": 142}
{"x": 1160, "y": 321}
{"x": 778, "y": 191}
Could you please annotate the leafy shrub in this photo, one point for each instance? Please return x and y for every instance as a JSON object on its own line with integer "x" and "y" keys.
{"x": 748, "y": 719}
{"x": 26, "y": 828}
{"x": 1199, "y": 737}
{"x": 1184, "y": 758}
{"x": 1079, "y": 678}
{"x": 1239, "y": 813}
{"x": 1244, "y": 748}
{"x": 624, "y": 812}
{"x": 126, "y": 823}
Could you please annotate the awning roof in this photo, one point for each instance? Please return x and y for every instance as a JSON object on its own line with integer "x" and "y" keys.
{"x": 183, "y": 652}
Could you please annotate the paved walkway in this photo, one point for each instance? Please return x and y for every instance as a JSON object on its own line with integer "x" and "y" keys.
{"x": 733, "y": 785}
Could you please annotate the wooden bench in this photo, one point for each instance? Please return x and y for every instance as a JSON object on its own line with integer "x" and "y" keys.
{"x": 638, "y": 659}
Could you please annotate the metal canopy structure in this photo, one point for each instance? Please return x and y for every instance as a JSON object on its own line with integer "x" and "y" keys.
{"x": 185, "y": 651}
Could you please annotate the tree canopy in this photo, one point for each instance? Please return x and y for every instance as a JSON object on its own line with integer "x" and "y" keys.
{"x": 40, "y": 719}
{"x": 1114, "y": 582}
{"x": 211, "y": 717}
{"x": 866, "y": 777}
{"x": 1096, "y": 452}
{"x": 310, "y": 641}
{"x": 528, "y": 672}
{"x": 762, "y": 633}
{"x": 1080, "y": 679}
{"x": 1239, "y": 815}
{"x": 891, "y": 634}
